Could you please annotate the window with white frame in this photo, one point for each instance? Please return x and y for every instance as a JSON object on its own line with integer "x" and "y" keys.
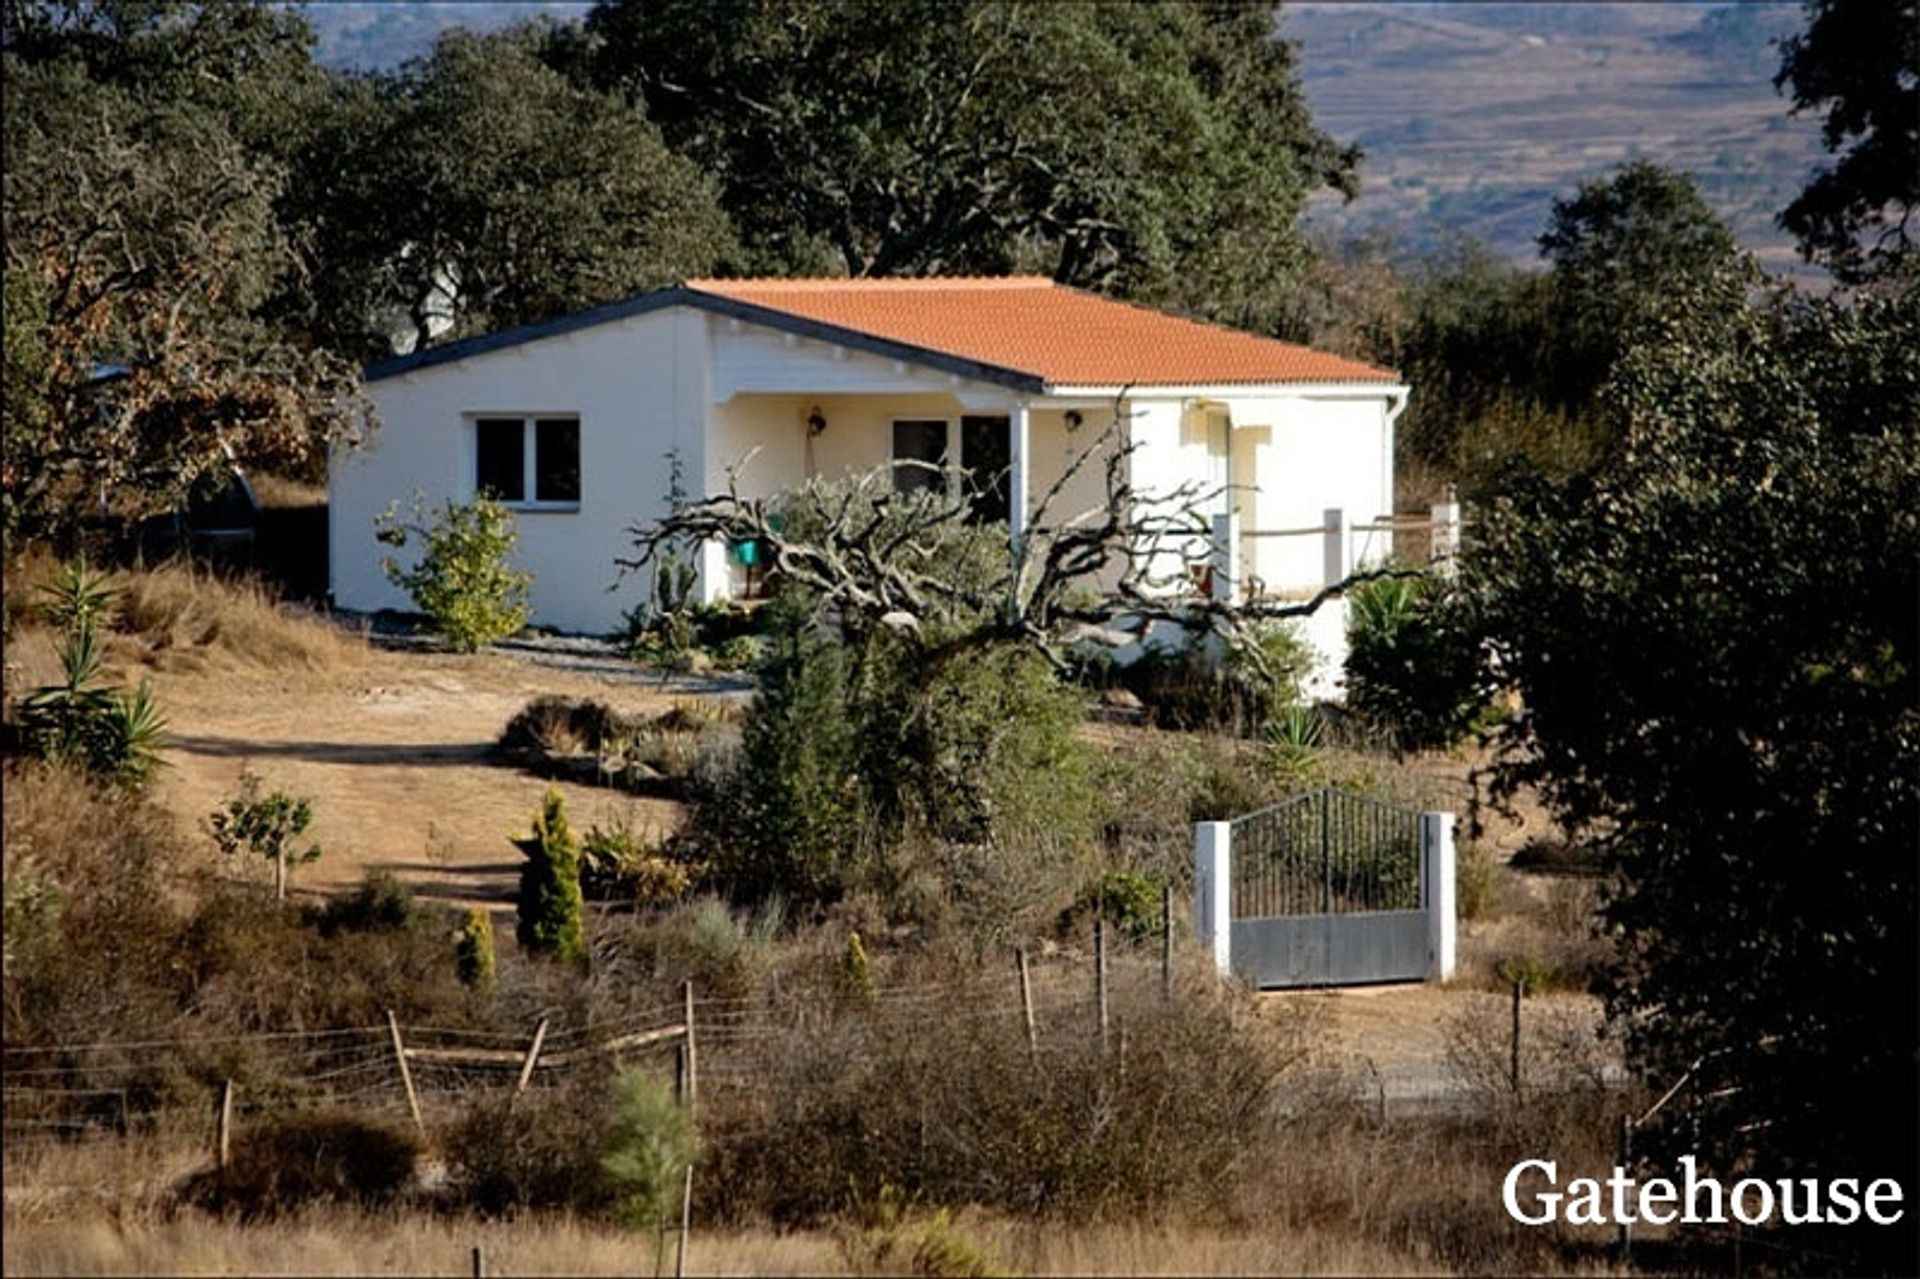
{"x": 529, "y": 462}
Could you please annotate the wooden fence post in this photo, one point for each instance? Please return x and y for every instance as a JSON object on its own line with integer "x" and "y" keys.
{"x": 693, "y": 1058}
{"x": 686, "y": 1224}
{"x": 223, "y": 1128}
{"x": 1513, "y": 1046}
{"x": 406, "y": 1075}
{"x": 533, "y": 1055}
{"x": 479, "y": 1262}
{"x": 1026, "y": 1007}
{"x": 1626, "y": 1219}
{"x": 1166, "y": 941}
{"x": 1100, "y": 974}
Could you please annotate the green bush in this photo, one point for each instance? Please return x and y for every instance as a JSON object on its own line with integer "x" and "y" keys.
{"x": 1241, "y": 685}
{"x": 462, "y": 580}
{"x": 1413, "y": 668}
{"x": 549, "y": 901}
{"x": 1128, "y": 902}
{"x": 648, "y": 1147}
{"x": 382, "y": 903}
{"x": 617, "y": 864}
{"x": 473, "y": 952}
{"x": 84, "y": 720}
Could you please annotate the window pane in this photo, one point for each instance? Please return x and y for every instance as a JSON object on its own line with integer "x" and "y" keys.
{"x": 500, "y": 470}
{"x": 556, "y": 459}
{"x": 919, "y": 442}
{"x": 985, "y": 454}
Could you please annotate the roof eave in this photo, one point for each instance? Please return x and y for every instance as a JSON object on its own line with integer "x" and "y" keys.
{"x": 746, "y": 312}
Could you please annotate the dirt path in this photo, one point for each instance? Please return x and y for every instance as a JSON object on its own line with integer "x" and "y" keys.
{"x": 395, "y": 757}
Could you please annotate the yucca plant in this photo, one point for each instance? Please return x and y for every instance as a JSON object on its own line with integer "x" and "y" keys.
{"x": 83, "y": 720}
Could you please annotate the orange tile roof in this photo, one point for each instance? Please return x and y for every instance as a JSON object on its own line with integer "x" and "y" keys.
{"x": 1029, "y": 324}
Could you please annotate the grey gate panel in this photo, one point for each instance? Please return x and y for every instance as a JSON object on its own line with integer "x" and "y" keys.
{"x": 1355, "y": 859}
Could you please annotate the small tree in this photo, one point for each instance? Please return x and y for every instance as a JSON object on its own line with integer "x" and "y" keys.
{"x": 473, "y": 951}
{"x": 266, "y": 826}
{"x": 549, "y": 903}
{"x": 463, "y": 579}
{"x": 652, "y": 1141}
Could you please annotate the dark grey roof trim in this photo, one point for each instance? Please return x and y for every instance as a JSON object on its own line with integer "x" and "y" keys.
{"x": 680, "y": 295}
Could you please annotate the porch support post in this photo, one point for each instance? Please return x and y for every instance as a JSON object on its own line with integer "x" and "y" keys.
{"x": 1213, "y": 891}
{"x": 713, "y": 577}
{"x": 1338, "y": 565}
{"x": 1446, "y": 533}
{"x": 1226, "y": 559}
{"x": 1018, "y": 430}
{"x": 1437, "y": 869}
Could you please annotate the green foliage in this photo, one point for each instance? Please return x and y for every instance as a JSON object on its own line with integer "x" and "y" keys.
{"x": 549, "y": 901}
{"x": 264, "y": 825}
{"x": 1856, "y": 63}
{"x": 844, "y": 756}
{"x": 1161, "y": 151}
{"x": 84, "y": 720}
{"x": 1413, "y": 667}
{"x": 618, "y": 864}
{"x": 479, "y": 187}
{"x": 1713, "y": 643}
{"x": 647, "y": 1150}
{"x": 856, "y": 974}
{"x": 473, "y": 953}
{"x": 1251, "y": 680}
{"x": 463, "y": 579}
{"x": 381, "y": 903}
{"x": 1126, "y": 900}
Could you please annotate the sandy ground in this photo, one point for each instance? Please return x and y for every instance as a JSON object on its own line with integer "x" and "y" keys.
{"x": 395, "y": 756}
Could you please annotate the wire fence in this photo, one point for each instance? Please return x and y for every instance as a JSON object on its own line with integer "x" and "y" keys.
{"x": 423, "y": 1072}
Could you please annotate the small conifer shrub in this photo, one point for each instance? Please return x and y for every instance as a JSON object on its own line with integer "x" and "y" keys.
{"x": 550, "y": 901}
{"x": 473, "y": 951}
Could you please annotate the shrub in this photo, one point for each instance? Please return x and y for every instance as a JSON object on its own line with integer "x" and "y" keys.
{"x": 617, "y": 864}
{"x": 1250, "y": 679}
{"x": 462, "y": 579}
{"x": 1412, "y": 666}
{"x": 473, "y": 952}
{"x": 288, "y": 1162}
{"x": 83, "y": 719}
{"x": 540, "y": 1150}
{"x": 265, "y": 826}
{"x": 549, "y": 901}
{"x": 647, "y": 1149}
{"x": 1127, "y": 901}
{"x": 382, "y": 903}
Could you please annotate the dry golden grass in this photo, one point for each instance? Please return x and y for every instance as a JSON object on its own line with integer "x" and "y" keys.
{"x": 178, "y": 617}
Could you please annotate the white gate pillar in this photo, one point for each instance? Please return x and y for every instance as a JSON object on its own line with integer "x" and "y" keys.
{"x": 1437, "y": 865}
{"x": 1019, "y": 450}
{"x": 1213, "y": 891}
{"x": 1446, "y": 535}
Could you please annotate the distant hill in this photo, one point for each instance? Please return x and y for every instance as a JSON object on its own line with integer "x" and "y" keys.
{"x": 1473, "y": 116}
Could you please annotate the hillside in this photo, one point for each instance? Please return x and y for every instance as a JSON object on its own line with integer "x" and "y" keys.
{"x": 1474, "y": 116}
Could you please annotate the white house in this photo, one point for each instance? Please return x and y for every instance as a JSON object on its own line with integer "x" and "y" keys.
{"x": 574, "y": 423}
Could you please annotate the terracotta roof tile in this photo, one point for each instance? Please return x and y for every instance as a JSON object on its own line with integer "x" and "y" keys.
{"x": 1030, "y": 324}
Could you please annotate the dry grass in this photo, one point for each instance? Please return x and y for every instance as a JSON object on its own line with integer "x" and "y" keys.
{"x": 181, "y": 618}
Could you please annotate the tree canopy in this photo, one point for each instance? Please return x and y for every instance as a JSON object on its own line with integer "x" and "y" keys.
{"x": 477, "y": 189}
{"x": 1160, "y": 151}
{"x": 1858, "y": 63}
{"x": 1714, "y": 645}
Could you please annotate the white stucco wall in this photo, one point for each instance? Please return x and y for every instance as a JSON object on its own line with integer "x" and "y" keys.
{"x": 639, "y": 387}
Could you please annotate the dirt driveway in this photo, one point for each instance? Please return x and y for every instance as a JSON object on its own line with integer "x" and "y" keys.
{"x": 395, "y": 757}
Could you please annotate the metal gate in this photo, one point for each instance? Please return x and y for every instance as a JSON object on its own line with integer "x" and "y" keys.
{"x": 1328, "y": 888}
